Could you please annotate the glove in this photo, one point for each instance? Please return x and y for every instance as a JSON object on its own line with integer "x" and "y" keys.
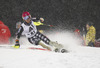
{"x": 42, "y": 19}
{"x": 17, "y": 45}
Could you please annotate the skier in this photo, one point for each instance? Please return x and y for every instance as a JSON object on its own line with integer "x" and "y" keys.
{"x": 34, "y": 37}
{"x": 90, "y": 36}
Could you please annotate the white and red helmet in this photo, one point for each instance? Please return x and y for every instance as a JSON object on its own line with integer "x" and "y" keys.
{"x": 26, "y": 15}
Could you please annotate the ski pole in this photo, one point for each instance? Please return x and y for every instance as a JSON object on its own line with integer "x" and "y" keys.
{"x": 48, "y": 25}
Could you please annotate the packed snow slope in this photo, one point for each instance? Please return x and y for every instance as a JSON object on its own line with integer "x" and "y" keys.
{"x": 78, "y": 57}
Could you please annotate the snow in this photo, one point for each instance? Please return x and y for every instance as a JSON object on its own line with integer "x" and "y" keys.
{"x": 78, "y": 57}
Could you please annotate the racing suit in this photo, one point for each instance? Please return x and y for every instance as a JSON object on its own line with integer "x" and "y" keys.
{"x": 30, "y": 31}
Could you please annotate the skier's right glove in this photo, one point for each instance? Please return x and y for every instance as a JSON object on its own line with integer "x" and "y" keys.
{"x": 17, "y": 45}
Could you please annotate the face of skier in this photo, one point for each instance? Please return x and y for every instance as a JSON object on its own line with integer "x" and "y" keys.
{"x": 28, "y": 20}
{"x": 87, "y": 26}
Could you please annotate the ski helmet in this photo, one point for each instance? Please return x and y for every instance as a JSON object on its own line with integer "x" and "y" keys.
{"x": 26, "y": 15}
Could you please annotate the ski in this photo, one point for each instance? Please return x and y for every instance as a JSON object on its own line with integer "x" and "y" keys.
{"x": 33, "y": 48}
{"x": 36, "y": 48}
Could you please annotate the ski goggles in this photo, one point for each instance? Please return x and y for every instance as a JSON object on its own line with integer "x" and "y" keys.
{"x": 26, "y": 17}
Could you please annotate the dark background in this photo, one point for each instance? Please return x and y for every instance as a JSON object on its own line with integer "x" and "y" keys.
{"x": 65, "y": 14}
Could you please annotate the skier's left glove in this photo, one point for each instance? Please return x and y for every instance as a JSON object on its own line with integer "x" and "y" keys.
{"x": 41, "y": 19}
{"x": 17, "y": 45}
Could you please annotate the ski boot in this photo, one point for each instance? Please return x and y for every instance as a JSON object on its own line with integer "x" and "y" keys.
{"x": 16, "y": 46}
{"x": 58, "y": 47}
{"x": 61, "y": 50}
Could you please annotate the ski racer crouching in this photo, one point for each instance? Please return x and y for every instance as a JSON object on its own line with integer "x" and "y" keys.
{"x": 30, "y": 31}
{"x": 90, "y": 36}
